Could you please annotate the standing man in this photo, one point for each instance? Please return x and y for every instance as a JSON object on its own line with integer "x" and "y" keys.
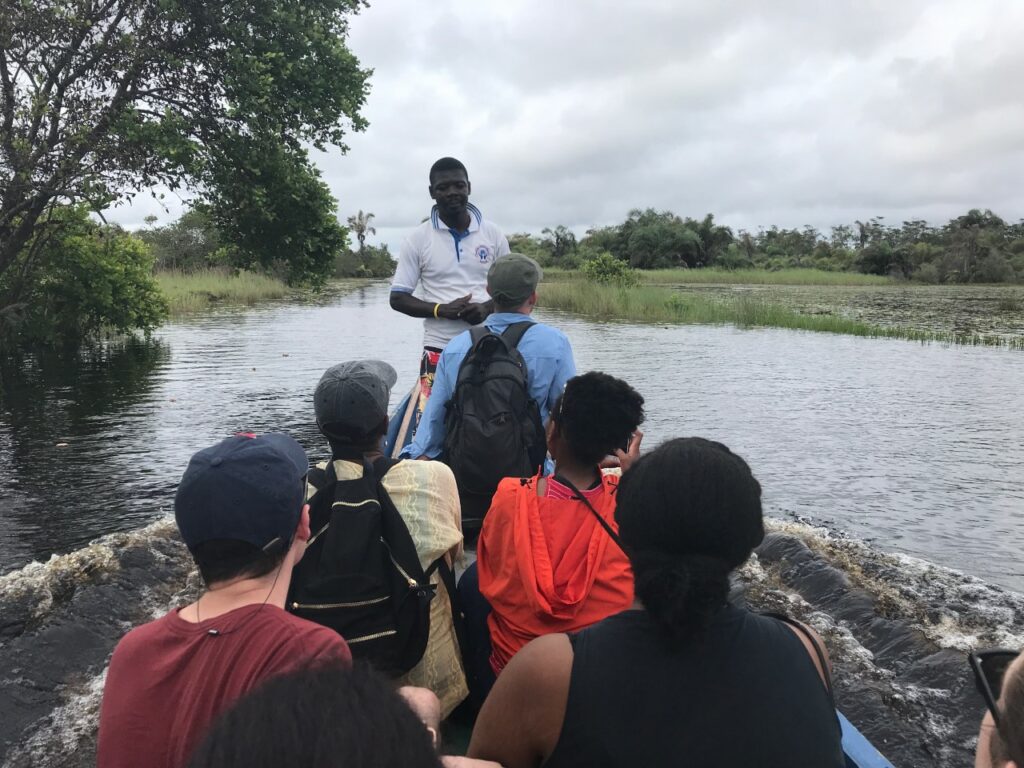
{"x": 545, "y": 350}
{"x": 447, "y": 257}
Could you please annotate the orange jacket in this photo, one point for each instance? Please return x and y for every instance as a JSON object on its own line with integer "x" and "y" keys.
{"x": 547, "y": 565}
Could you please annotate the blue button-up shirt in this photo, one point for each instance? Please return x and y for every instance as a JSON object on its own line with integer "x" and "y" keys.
{"x": 549, "y": 364}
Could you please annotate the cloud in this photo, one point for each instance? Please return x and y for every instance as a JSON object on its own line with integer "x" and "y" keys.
{"x": 788, "y": 113}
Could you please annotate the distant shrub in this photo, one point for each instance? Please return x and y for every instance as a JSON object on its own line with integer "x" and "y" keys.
{"x": 733, "y": 257}
{"x": 372, "y": 261}
{"x": 605, "y": 268}
{"x": 926, "y": 273}
{"x": 994, "y": 268}
{"x": 90, "y": 278}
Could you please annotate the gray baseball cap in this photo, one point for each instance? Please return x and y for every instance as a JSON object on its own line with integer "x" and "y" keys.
{"x": 512, "y": 278}
{"x": 353, "y": 396}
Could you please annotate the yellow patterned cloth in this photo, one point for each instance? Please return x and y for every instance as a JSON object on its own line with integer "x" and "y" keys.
{"x": 424, "y": 493}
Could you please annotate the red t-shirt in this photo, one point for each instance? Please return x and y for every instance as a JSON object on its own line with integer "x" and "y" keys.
{"x": 169, "y": 679}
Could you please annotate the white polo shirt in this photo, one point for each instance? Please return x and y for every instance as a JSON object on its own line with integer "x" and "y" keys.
{"x": 447, "y": 265}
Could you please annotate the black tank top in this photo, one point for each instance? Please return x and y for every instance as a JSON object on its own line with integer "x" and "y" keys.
{"x": 749, "y": 694}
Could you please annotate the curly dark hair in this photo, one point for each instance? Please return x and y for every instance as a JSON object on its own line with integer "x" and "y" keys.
{"x": 689, "y": 512}
{"x": 596, "y": 414}
{"x": 319, "y": 717}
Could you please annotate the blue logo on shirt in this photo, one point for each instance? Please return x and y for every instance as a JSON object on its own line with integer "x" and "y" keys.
{"x": 483, "y": 253}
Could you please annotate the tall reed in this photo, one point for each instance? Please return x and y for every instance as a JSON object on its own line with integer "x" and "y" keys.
{"x": 650, "y": 304}
{"x": 711, "y": 275}
{"x": 194, "y": 291}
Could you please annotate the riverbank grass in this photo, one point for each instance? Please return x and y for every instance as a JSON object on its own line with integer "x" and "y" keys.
{"x": 196, "y": 291}
{"x": 712, "y": 276}
{"x": 652, "y": 304}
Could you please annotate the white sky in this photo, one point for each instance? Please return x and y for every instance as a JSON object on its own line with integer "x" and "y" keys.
{"x": 788, "y": 112}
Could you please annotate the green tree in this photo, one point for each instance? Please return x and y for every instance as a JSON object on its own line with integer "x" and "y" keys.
{"x": 102, "y": 98}
{"x": 714, "y": 238}
{"x": 85, "y": 278}
{"x": 560, "y": 242}
{"x": 190, "y": 243}
{"x": 360, "y": 225}
{"x": 273, "y": 211}
{"x": 605, "y": 268}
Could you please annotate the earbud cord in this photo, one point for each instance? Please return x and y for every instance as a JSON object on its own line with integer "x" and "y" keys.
{"x": 217, "y": 632}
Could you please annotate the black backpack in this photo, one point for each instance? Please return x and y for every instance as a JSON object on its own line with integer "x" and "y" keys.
{"x": 492, "y": 426}
{"x": 361, "y": 575}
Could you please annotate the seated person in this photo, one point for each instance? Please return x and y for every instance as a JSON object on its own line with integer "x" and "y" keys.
{"x": 351, "y": 402}
{"x": 683, "y": 677}
{"x": 546, "y": 563}
{"x": 1001, "y": 740}
{"x": 320, "y": 717}
{"x": 241, "y": 513}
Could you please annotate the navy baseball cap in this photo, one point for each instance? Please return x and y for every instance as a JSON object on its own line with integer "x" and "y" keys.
{"x": 245, "y": 488}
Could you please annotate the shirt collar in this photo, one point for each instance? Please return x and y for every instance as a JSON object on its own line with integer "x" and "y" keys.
{"x": 475, "y": 218}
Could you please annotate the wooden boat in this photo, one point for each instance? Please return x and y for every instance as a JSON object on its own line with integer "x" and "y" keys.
{"x": 859, "y": 752}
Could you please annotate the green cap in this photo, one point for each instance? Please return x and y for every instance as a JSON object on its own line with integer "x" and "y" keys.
{"x": 512, "y": 278}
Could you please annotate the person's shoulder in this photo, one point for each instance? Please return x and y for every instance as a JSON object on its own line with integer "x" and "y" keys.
{"x": 546, "y": 660}
{"x": 420, "y": 234}
{"x": 514, "y": 485}
{"x": 142, "y": 638}
{"x": 424, "y": 470}
{"x": 313, "y": 638}
{"x": 144, "y": 632}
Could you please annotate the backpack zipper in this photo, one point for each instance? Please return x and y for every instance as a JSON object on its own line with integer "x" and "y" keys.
{"x": 401, "y": 570}
{"x": 374, "y": 636}
{"x": 329, "y": 606}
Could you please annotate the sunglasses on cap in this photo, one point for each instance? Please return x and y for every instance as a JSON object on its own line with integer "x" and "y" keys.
{"x": 989, "y": 668}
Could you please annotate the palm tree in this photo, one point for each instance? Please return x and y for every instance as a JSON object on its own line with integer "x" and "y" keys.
{"x": 360, "y": 224}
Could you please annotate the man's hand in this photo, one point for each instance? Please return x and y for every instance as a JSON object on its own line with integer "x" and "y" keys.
{"x": 474, "y": 314}
{"x": 453, "y": 309}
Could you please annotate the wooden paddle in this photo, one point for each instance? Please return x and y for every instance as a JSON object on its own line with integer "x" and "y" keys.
{"x": 410, "y": 408}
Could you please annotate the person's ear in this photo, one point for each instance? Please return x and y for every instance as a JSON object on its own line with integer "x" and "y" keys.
{"x": 302, "y": 532}
{"x": 532, "y": 301}
{"x": 469, "y": 188}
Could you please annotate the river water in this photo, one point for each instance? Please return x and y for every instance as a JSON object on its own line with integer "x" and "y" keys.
{"x": 894, "y": 471}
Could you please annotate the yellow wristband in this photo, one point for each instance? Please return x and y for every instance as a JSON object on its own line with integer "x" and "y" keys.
{"x": 436, "y": 307}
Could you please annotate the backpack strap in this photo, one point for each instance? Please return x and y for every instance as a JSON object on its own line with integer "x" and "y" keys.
{"x": 514, "y": 333}
{"x": 448, "y": 579}
{"x": 319, "y": 478}
{"x": 381, "y": 466}
{"x": 818, "y": 650}
{"x": 399, "y": 540}
{"x": 476, "y": 333}
{"x": 580, "y": 497}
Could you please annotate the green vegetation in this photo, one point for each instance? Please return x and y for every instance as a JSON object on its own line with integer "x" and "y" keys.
{"x": 82, "y": 278}
{"x": 605, "y": 268}
{"x": 194, "y": 291}
{"x": 716, "y": 276}
{"x": 652, "y": 304}
{"x": 369, "y": 261}
{"x": 978, "y": 247}
{"x": 104, "y": 100}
